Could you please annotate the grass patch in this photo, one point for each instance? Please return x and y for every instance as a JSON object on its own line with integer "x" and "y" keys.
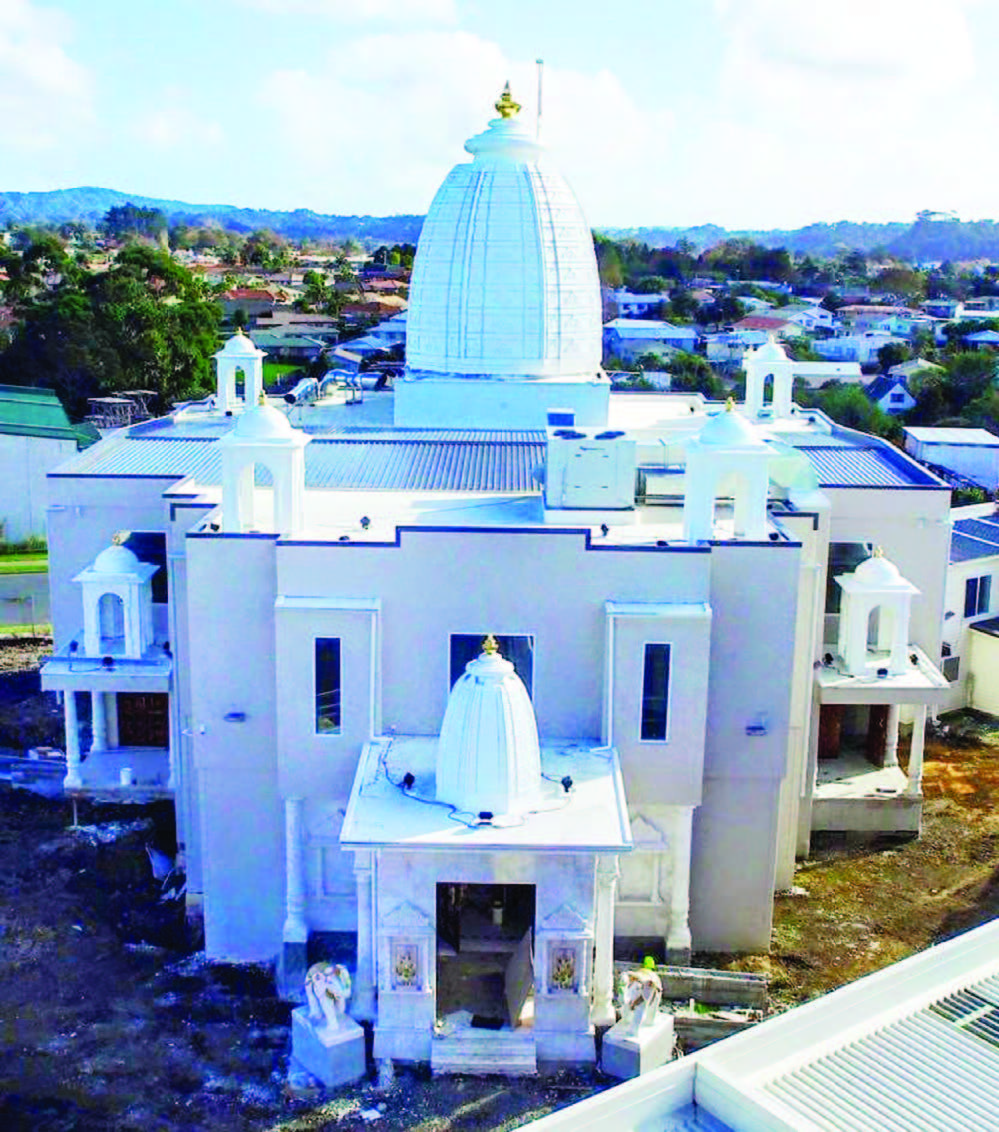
{"x": 27, "y": 632}
{"x": 275, "y": 371}
{"x": 24, "y": 564}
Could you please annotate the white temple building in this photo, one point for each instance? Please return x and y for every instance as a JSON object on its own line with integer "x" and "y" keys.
{"x": 489, "y": 676}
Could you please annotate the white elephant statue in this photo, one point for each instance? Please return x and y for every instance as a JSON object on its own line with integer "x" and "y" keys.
{"x": 327, "y": 988}
{"x": 641, "y": 993}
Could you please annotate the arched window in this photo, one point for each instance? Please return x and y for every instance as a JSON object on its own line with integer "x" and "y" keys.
{"x": 111, "y": 618}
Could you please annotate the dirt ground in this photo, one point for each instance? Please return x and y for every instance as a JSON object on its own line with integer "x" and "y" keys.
{"x": 102, "y": 1031}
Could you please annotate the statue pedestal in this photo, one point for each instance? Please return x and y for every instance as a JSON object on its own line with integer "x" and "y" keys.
{"x": 627, "y": 1054}
{"x": 336, "y": 1057}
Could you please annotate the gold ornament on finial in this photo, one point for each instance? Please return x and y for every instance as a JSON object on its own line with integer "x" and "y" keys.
{"x": 730, "y": 405}
{"x": 505, "y": 105}
{"x": 878, "y": 552}
{"x": 489, "y": 646}
{"x": 119, "y": 538}
{"x": 261, "y": 400}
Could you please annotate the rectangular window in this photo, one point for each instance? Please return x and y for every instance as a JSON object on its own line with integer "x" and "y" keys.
{"x": 952, "y": 668}
{"x": 519, "y": 650}
{"x": 655, "y": 693}
{"x": 976, "y": 595}
{"x": 327, "y": 685}
{"x": 844, "y": 558}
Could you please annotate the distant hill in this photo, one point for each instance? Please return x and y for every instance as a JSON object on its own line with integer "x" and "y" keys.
{"x": 90, "y": 204}
{"x": 932, "y": 237}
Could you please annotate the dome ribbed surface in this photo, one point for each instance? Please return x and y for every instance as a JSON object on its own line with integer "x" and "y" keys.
{"x": 505, "y": 278}
{"x": 488, "y": 757}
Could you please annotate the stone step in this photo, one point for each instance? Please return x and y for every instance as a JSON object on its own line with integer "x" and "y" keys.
{"x": 479, "y": 1052}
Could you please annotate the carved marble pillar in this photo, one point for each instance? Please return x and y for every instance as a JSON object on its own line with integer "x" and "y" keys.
{"x": 72, "y": 781}
{"x": 915, "y": 785}
{"x": 364, "y": 1004}
{"x": 891, "y": 738}
{"x": 602, "y": 1011}
{"x": 678, "y": 938}
{"x": 295, "y": 930}
{"x": 111, "y": 718}
{"x": 98, "y": 722}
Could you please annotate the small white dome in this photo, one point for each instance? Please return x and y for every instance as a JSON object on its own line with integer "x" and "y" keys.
{"x": 263, "y": 422}
{"x": 769, "y": 351}
{"x": 116, "y": 559}
{"x": 239, "y": 345}
{"x": 488, "y": 756}
{"x": 729, "y": 430}
{"x": 877, "y": 571}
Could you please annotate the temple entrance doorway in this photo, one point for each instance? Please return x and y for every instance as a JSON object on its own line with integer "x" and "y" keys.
{"x": 485, "y": 964}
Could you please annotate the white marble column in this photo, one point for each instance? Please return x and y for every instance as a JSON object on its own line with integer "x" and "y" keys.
{"x": 915, "y": 785}
{"x": 72, "y": 781}
{"x": 295, "y": 930}
{"x": 364, "y": 1005}
{"x": 111, "y": 718}
{"x": 98, "y": 722}
{"x": 602, "y": 1011}
{"x": 678, "y": 937}
{"x": 891, "y": 737}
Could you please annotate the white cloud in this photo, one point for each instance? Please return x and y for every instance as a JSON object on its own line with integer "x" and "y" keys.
{"x": 845, "y": 109}
{"x": 174, "y": 124}
{"x": 360, "y": 11}
{"x": 377, "y": 129}
{"x": 45, "y": 95}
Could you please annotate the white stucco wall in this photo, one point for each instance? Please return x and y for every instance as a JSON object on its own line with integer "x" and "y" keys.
{"x": 25, "y": 462}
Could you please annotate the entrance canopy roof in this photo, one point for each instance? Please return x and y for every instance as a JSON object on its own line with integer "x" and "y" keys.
{"x": 592, "y": 816}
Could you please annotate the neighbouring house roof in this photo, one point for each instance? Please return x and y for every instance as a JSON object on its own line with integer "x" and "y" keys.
{"x": 763, "y": 322}
{"x": 969, "y": 437}
{"x": 27, "y": 411}
{"x": 882, "y": 386}
{"x": 987, "y": 337}
{"x": 906, "y": 369}
{"x": 648, "y": 328}
{"x": 248, "y": 294}
{"x": 976, "y": 537}
{"x": 271, "y": 339}
{"x": 990, "y": 626}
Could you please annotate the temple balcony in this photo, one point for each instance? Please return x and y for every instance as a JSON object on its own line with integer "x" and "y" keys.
{"x": 858, "y": 785}
{"x": 129, "y": 757}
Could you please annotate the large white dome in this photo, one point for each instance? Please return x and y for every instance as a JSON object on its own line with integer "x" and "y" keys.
{"x": 505, "y": 279}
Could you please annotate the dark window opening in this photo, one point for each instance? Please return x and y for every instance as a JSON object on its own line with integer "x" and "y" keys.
{"x": 327, "y": 685}
{"x": 655, "y": 693}
{"x": 844, "y": 558}
{"x": 977, "y": 592}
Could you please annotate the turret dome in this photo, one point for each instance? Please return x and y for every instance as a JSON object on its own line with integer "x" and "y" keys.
{"x": 505, "y": 278}
{"x": 729, "y": 429}
{"x": 239, "y": 344}
{"x": 263, "y": 422}
{"x": 877, "y": 571}
{"x": 116, "y": 559}
{"x": 488, "y": 756}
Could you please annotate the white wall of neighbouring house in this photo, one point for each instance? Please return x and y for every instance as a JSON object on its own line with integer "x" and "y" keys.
{"x": 25, "y": 461}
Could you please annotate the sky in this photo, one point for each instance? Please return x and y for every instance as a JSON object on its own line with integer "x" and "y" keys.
{"x": 743, "y": 113}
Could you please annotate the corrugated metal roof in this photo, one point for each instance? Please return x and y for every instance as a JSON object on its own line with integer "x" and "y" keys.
{"x": 974, "y": 538}
{"x": 935, "y": 1069}
{"x": 503, "y": 463}
{"x": 857, "y": 467}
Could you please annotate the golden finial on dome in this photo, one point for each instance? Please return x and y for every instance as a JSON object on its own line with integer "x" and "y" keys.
{"x": 489, "y": 646}
{"x": 119, "y": 538}
{"x": 261, "y": 400}
{"x": 730, "y": 405}
{"x": 505, "y": 105}
{"x": 878, "y": 552}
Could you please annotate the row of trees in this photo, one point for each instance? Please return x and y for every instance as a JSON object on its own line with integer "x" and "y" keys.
{"x": 144, "y": 323}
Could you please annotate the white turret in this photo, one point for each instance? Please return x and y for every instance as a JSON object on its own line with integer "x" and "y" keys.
{"x": 238, "y": 355}
{"x": 768, "y": 361}
{"x": 874, "y": 617}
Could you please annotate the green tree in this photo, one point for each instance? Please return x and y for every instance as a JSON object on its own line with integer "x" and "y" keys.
{"x": 690, "y": 373}
{"x": 145, "y": 323}
{"x": 129, "y": 222}
{"x": 893, "y": 354}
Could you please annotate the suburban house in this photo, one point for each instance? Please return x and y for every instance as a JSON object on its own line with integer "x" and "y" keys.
{"x": 35, "y": 436}
{"x": 499, "y": 670}
{"x": 250, "y": 301}
{"x": 861, "y": 348}
{"x": 776, "y": 325}
{"x": 631, "y": 305}
{"x": 970, "y": 453}
{"x": 970, "y": 645}
{"x": 905, "y": 370}
{"x": 627, "y": 338}
{"x": 890, "y": 394}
